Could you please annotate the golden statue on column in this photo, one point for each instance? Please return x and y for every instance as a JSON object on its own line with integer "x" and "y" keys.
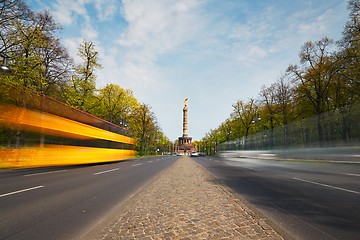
{"x": 185, "y": 145}
{"x": 185, "y": 119}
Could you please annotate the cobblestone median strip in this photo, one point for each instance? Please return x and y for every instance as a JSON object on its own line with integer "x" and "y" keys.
{"x": 186, "y": 203}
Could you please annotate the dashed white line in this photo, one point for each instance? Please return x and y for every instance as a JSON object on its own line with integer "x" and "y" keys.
{"x": 254, "y": 169}
{"x": 328, "y": 186}
{"x": 301, "y": 220}
{"x": 352, "y": 174}
{"x": 107, "y": 171}
{"x": 136, "y": 164}
{"x": 20, "y": 191}
{"x": 43, "y": 173}
{"x": 249, "y": 168}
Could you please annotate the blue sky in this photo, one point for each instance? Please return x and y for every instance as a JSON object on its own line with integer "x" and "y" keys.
{"x": 213, "y": 52}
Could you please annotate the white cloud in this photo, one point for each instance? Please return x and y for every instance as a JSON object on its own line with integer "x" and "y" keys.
{"x": 62, "y": 14}
{"x": 88, "y": 32}
{"x": 319, "y": 24}
{"x": 106, "y": 9}
{"x": 155, "y": 28}
{"x": 278, "y": 33}
{"x": 251, "y": 54}
{"x": 65, "y": 10}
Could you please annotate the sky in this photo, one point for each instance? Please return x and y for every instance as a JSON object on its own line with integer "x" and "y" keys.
{"x": 213, "y": 52}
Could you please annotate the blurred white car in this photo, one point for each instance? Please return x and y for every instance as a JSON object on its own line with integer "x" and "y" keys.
{"x": 195, "y": 154}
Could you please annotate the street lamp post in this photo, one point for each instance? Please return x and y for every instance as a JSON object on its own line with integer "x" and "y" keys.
{"x": 4, "y": 63}
{"x": 228, "y": 139}
{"x": 255, "y": 121}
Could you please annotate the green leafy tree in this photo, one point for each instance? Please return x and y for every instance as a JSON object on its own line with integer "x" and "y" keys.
{"x": 11, "y": 12}
{"x": 163, "y": 144}
{"x": 27, "y": 70}
{"x": 244, "y": 113}
{"x": 38, "y": 61}
{"x": 226, "y": 131}
{"x": 80, "y": 91}
{"x": 143, "y": 125}
{"x": 115, "y": 104}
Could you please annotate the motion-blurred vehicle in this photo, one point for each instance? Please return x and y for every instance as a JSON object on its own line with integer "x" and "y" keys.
{"x": 195, "y": 154}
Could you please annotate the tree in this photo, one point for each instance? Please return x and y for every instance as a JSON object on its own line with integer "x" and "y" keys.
{"x": 56, "y": 60}
{"x": 80, "y": 91}
{"x": 163, "y": 144}
{"x": 115, "y": 103}
{"x": 244, "y": 114}
{"x": 143, "y": 125}
{"x": 39, "y": 62}
{"x": 269, "y": 103}
{"x": 346, "y": 90}
{"x": 284, "y": 95}
{"x": 225, "y": 131}
{"x": 27, "y": 68}
{"x": 350, "y": 49}
{"x": 351, "y": 33}
{"x": 11, "y": 11}
{"x": 314, "y": 78}
{"x": 210, "y": 142}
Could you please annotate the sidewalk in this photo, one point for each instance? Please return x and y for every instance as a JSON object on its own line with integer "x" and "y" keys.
{"x": 185, "y": 202}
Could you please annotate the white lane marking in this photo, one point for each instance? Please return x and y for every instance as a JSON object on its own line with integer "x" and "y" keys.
{"x": 303, "y": 221}
{"x": 136, "y": 164}
{"x": 328, "y": 186}
{"x": 352, "y": 174}
{"x": 20, "y": 191}
{"x": 155, "y": 160}
{"x": 42, "y": 173}
{"x": 254, "y": 169}
{"x": 107, "y": 171}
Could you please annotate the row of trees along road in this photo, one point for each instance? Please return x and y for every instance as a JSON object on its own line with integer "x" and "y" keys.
{"x": 40, "y": 64}
{"x": 313, "y": 104}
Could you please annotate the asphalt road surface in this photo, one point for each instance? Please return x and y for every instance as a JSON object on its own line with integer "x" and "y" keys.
{"x": 65, "y": 203}
{"x": 307, "y": 200}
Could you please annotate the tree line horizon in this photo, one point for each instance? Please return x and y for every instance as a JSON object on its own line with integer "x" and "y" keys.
{"x": 315, "y": 103}
{"x": 37, "y": 62}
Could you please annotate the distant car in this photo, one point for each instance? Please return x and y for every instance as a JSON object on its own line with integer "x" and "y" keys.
{"x": 195, "y": 154}
{"x": 179, "y": 154}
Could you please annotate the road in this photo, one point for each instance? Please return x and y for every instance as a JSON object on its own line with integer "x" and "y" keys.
{"x": 66, "y": 202}
{"x": 307, "y": 200}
